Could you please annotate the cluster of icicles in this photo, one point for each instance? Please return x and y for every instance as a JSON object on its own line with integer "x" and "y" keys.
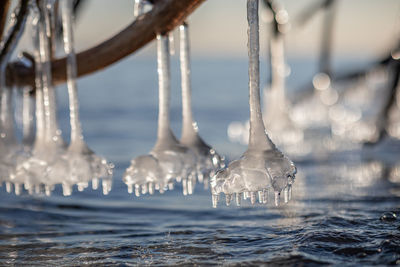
{"x": 186, "y": 161}
{"x": 47, "y": 161}
{"x": 261, "y": 169}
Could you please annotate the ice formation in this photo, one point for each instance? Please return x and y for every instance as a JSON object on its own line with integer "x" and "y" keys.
{"x": 262, "y": 168}
{"x": 208, "y": 160}
{"x": 168, "y": 161}
{"x": 276, "y": 104}
{"x": 49, "y": 162}
{"x": 9, "y": 147}
{"x": 83, "y": 164}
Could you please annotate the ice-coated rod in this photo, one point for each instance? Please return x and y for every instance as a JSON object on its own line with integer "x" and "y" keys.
{"x": 164, "y": 75}
{"x": 47, "y": 84}
{"x": 68, "y": 37}
{"x": 258, "y": 139}
{"x": 6, "y": 112}
{"x": 188, "y": 127}
{"x": 39, "y": 110}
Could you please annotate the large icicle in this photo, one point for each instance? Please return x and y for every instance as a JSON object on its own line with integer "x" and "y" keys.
{"x": 176, "y": 161}
{"x": 208, "y": 161}
{"x": 84, "y": 165}
{"x": 262, "y": 167}
{"x": 168, "y": 161}
{"x": 35, "y": 172}
{"x": 8, "y": 144}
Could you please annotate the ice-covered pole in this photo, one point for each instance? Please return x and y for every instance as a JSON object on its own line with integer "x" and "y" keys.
{"x": 257, "y": 138}
{"x": 164, "y": 85}
{"x": 187, "y": 124}
{"x": 7, "y": 47}
{"x": 68, "y": 37}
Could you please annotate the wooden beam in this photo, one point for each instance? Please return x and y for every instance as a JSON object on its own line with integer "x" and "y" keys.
{"x": 4, "y": 6}
{"x": 164, "y": 17}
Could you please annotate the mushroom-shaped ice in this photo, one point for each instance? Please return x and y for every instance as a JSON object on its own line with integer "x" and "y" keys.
{"x": 168, "y": 161}
{"x": 50, "y": 163}
{"x": 83, "y": 164}
{"x": 262, "y": 167}
{"x": 208, "y": 160}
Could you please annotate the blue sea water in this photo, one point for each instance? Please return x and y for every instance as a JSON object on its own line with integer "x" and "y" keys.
{"x": 344, "y": 208}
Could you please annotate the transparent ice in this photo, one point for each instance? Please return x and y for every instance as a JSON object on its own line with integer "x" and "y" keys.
{"x": 84, "y": 165}
{"x": 50, "y": 162}
{"x": 276, "y": 104}
{"x": 262, "y": 168}
{"x": 41, "y": 170}
{"x": 9, "y": 147}
{"x": 168, "y": 161}
{"x": 208, "y": 160}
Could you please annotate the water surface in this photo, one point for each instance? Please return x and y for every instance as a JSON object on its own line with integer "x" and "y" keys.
{"x": 343, "y": 208}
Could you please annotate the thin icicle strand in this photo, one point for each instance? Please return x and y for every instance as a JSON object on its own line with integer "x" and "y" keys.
{"x": 187, "y": 124}
{"x": 27, "y": 108}
{"x": 164, "y": 85}
{"x": 257, "y": 128}
{"x": 6, "y": 118}
{"x": 76, "y": 129}
{"x": 48, "y": 90}
{"x": 39, "y": 112}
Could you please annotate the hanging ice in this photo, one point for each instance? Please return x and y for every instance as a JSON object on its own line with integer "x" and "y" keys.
{"x": 208, "y": 161}
{"x": 83, "y": 164}
{"x": 8, "y": 143}
{"x": 41, "y": 170}
{"x": 49, "y": 162}
{"x": 262, "y": 168}
{"x": 168, "y": 161}
{"x": 276, "y": 104}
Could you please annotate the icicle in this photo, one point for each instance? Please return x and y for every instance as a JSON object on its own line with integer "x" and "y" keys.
{"x": 260, "y": 196}
{"x": 67, "y": 189}
{"x": 144, "y": 189}
{"x": 228, "y": 199}
{"x": 262, "y": 166}
{"x": 95, "y": 183}
{"x": 27, "y": 118}
{"x": 171, "y": 41}
{"x": 238, "y": 199}
{"x": 174, "y": 160}
{"x": 47, "y": 190}
{"x": 184, "y": 187}
{"x": 53, "y": 134}
{"x": 208, "y": 161}
{"x": 130, "y": 188}
{"x": 8, "y": 142}
{"x": 151, "y": 188}
{"x": 137, "y": 190}
{"x": 18, "y": 189}
{"x": 214, "y": 200}
{"x": 277, "y": 198}
{"x": 286, "y": 194}
{"x": 8, "y": 187}
{"x": 68, "y": 38}
{"x": 253, "y": 197}
{"x": 265, "y": 196}
{"x": 82, "y": 161}
{"x": 190, "y": 185}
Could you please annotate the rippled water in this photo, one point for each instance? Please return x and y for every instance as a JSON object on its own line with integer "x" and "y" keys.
{"x": 343, "y": 210}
